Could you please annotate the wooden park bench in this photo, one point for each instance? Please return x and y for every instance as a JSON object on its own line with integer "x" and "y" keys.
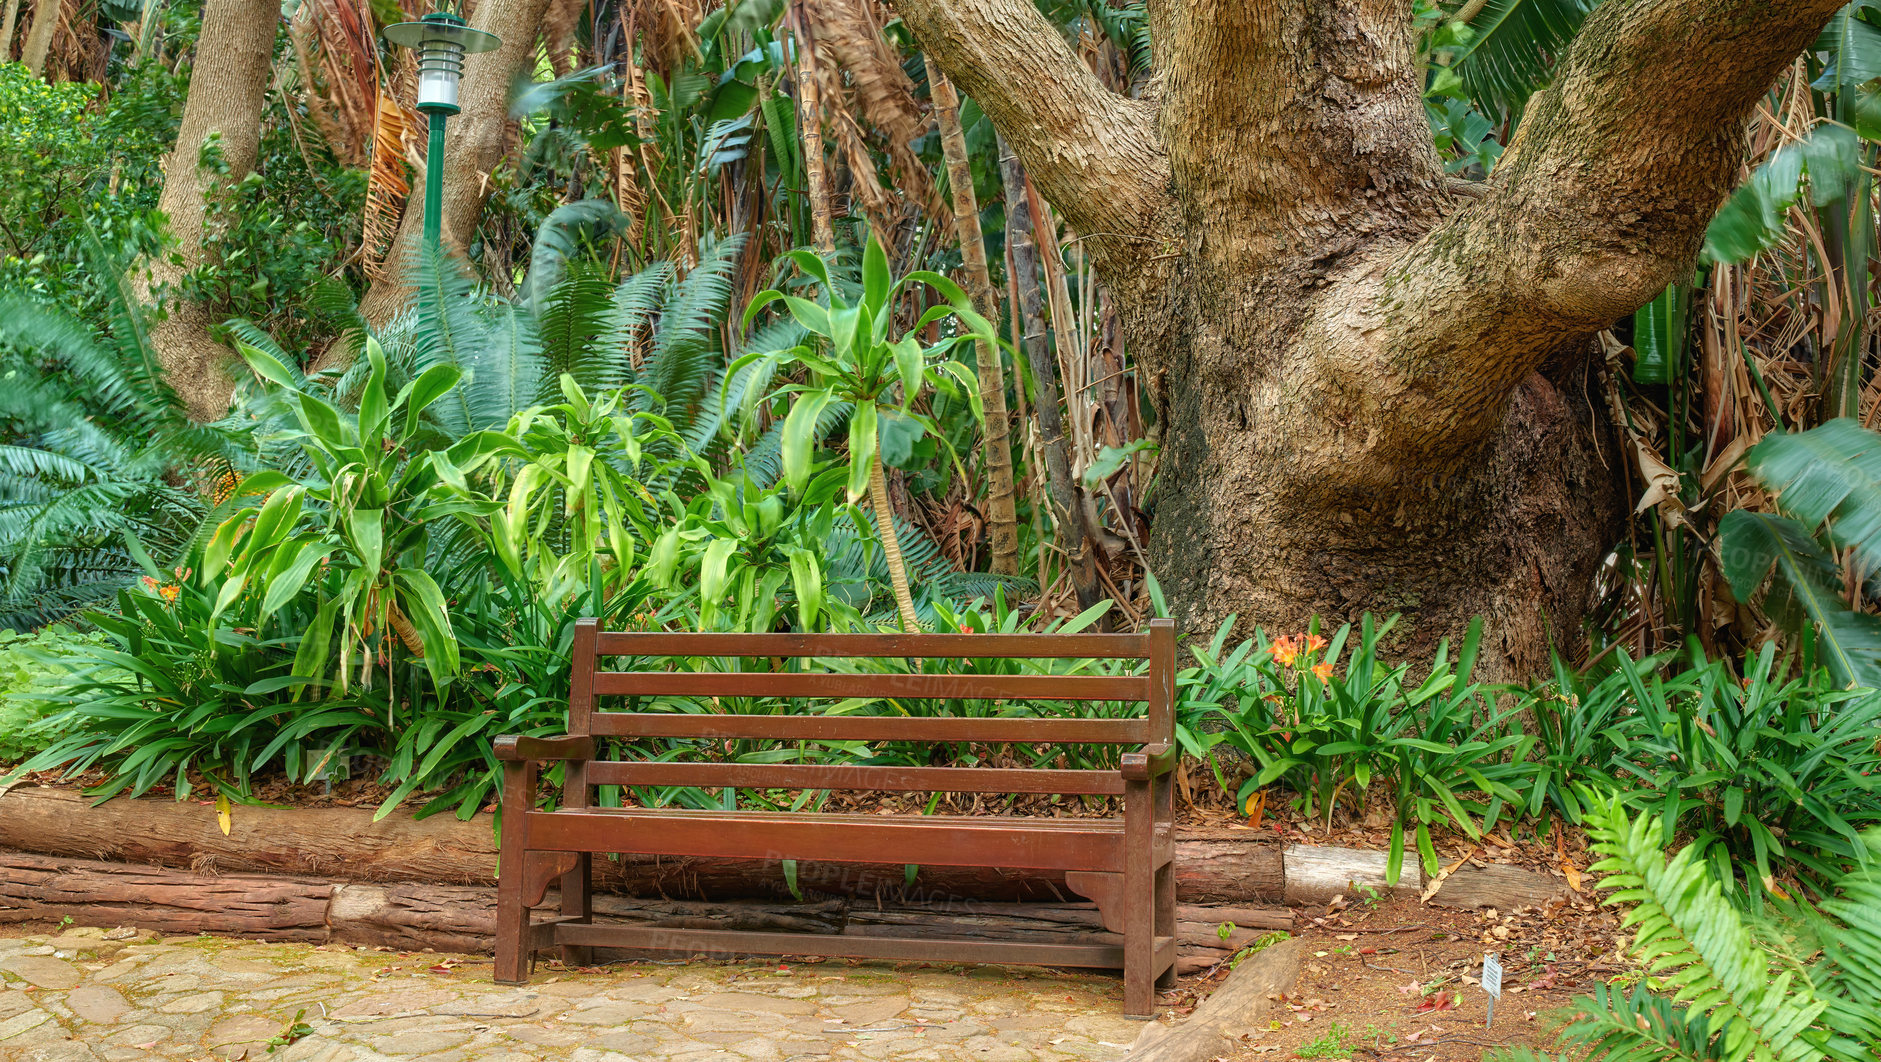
{"x": 1124, "y": 864}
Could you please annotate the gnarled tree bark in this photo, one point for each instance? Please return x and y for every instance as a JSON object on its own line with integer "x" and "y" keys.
{"x": 1374, "y": 392}
{"x": 228, "y": 84}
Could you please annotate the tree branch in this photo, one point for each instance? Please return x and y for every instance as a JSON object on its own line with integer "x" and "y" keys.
{"x": 1297, "y": 125}
{"x": 1601, "y": 201}
{"x": 1092, "y": 152}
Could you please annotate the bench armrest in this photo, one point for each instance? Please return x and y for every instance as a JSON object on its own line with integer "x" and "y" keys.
{"x": 1153, "y": 762}
{"x": 565, "y": 747}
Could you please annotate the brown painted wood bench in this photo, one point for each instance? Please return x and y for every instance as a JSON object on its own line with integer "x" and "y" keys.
{"x": 1124, "y": 864}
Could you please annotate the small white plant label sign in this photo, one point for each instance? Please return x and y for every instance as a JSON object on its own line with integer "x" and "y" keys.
{"x": 1492, "y": 975}
{"x": 1492, "y": 984}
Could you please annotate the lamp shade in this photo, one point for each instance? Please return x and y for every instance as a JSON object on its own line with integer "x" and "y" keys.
{"x": 441, "y": 41}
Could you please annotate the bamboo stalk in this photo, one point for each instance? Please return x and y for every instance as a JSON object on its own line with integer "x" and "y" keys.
{"x": 1002, "y": 521}
{"x": 1067, "y": 511}
{"x": 891, "y": 545}
{"x": 810, "y": 128}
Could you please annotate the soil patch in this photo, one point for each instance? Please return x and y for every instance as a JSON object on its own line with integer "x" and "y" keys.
{"x": 1398, "y": 981}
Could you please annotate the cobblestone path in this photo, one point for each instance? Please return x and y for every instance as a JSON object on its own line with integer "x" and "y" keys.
{"x": 91, "y": 994}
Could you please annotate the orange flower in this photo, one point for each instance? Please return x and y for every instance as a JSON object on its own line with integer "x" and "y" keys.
{"x": 1286, "y": 650}
{"x": 1314, "y": 643}
{"x": 169, "y": 591}
{"x": 149, "y": 583}
{"x": 1323, "y": 670}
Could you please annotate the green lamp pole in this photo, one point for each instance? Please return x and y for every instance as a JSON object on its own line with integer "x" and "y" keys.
{"x": 441, "y": 40}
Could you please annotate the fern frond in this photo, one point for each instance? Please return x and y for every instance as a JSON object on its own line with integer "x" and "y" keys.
{"x": 1644, "y": 1027}
{"x": 1848, "y": 975}
{"x": 685, "y": 352}
{"x": 571, "y": 318}
{"x": 1687, "y": 934}
{"x": 556, "y": 242}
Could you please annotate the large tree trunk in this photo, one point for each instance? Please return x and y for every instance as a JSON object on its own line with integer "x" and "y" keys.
{"x": 474, "y": 144}
{"x": 7, "y": 24}
{"x": 227, "y": 85}
{"x": 47, "y": 14}
{"x": 1374, "y": 388}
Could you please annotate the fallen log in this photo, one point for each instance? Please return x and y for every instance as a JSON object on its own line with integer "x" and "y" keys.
{"x": 308, "y": 842}
{"x": 462, "y": 918}
{"x": 1212, "y": 866}
{"x": 1497, "y": 885}
{"x": 48, "y": 889}
{"x": 1315, "y": 874}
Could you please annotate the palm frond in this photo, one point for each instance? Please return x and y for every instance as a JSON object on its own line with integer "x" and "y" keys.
{"x": 1516, "y": 47}
{"x": 570, "y": 319}
{"x": 556, "y": 242}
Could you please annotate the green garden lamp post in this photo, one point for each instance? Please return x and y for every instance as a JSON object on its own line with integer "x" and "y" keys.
{"x": 441, "y": 40}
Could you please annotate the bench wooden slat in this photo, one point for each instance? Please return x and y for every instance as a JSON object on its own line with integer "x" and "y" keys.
{"x": 961, "y": 646}
{"x": 825, "y": 684}
{"x": 889, "y": 778}
{"x": 1064, "y": 844}
{"x": 725, "y": 943}
{"x": 1002, "y": 730}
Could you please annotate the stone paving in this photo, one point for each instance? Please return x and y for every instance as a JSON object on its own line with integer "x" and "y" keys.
{"x": 92, "y": 994}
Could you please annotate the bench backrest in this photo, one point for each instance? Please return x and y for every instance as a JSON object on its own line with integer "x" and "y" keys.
{"x": 1155, "y": 687}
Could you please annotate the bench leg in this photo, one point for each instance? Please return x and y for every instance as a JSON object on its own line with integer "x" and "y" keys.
{"x": 1165, "y": 885}
{"x": 578, "y": 905}
{"x": 1139, "y": 913}
{"x": 512, "y": 910}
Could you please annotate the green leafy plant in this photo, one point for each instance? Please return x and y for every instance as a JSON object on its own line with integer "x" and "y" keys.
{"x": 1766, "y": 771}
{"x": 35, "y": 670}
{"x": 1336, "y": 1042}
{"x": 96, "y": 447}
{"x": 1828, "y": 485}
{"x": 189, "y": 693}
{"x": 364, "y": 543}
{"x": 1579, "y": 726}
{"x": 1327, "y": 731}
{"x": 853, "y": 361}
{"x": 1727, "y": 988}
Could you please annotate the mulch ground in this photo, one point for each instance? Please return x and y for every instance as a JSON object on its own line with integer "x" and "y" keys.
{"x": 1395, "y": 980}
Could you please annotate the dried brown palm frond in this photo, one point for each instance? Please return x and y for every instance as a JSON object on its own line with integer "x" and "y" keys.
{"x": 664, "y": 30}
{"x": 558, "y": 33}
{"x": 1756, "y": 360}
{"x": 77, "y": 52}
{"x": 876, "y": 88}
{"x": 865, "y": 187}
{"x": 388, "y": 184}
{"x": 336, "y": 49}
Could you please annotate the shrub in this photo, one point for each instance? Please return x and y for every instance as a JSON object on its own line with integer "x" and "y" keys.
{"x": 1724, "y": 985}
{"x": 1326, "y": 721}
{"x": 35, "y": 670}
{"x": 1770, "y": 773}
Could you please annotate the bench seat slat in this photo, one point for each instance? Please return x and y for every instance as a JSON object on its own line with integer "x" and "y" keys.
{"x": 1129, "y": 731}
{"x": 889, "y": 686}
{"x": 957, "y": 646}
{"x": 888, "y": 778}
{"x": 939, "y": 840}
{"x": 722, "y": 942}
